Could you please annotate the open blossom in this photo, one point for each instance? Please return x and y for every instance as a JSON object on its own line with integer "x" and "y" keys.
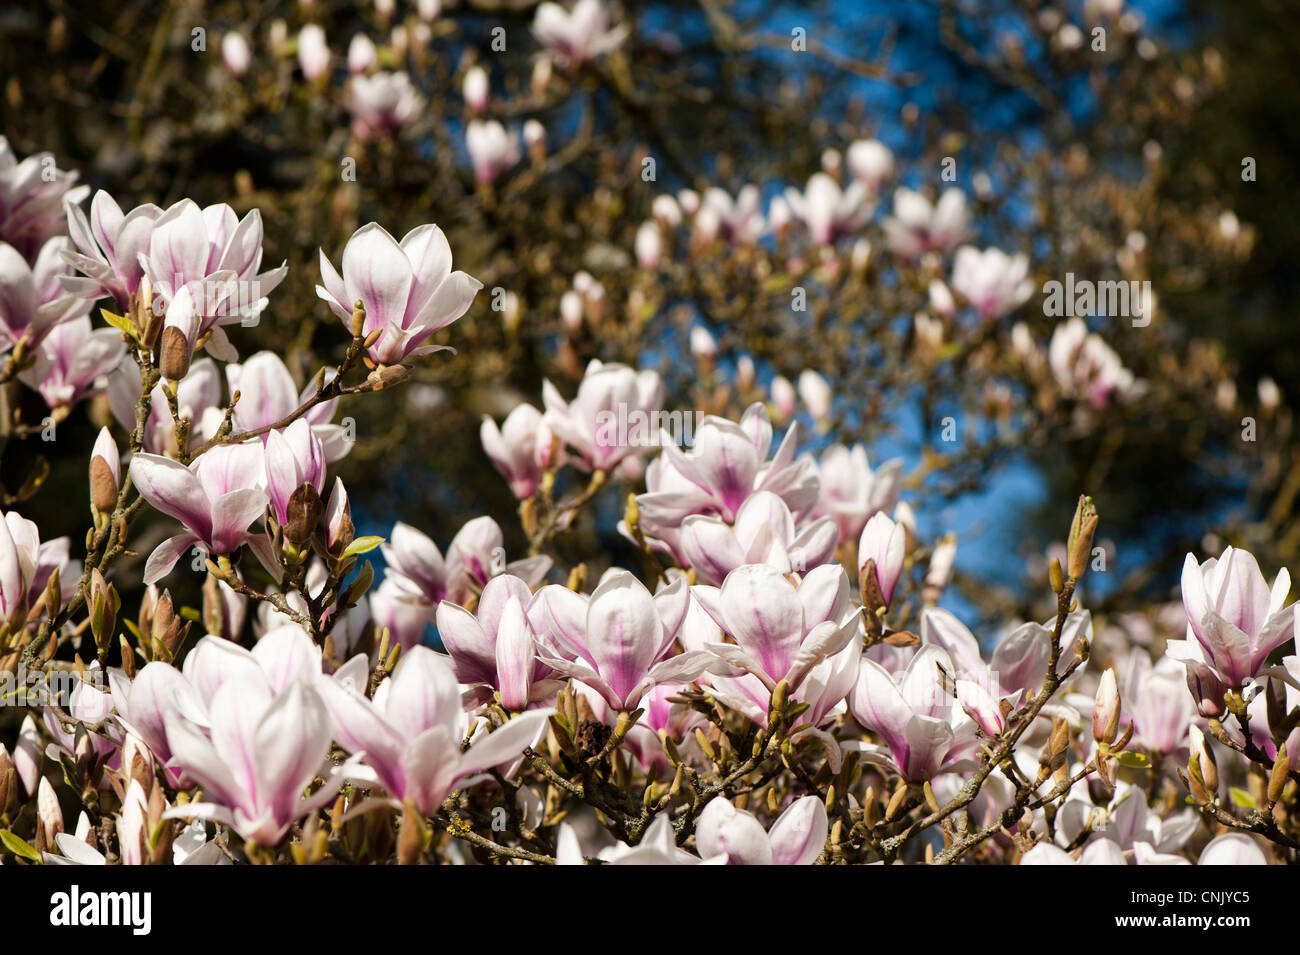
{"x": 492, "y": 149}
{"x": 781, "y": 630}
{"x": 519, "y": 449}
{"x": 381, "y": 103}
{"x": 828, "y": 211}
{"x": 32, "y": 196}
{"x": 1234, "y": 619}
{"x": 615, "y": 415}
{"x": 267, "y": 395}
{"x": 411, "y": 732}
{"x": 764, "y": 532}
{"x": 294, "y": 458}
{"x": 1085, "y": 367}
{"x": 20, "y": 547}
{"x": 919, "y": 226}
{"x": 109, "y": 246}
{"x": 797, "y": 837}
{"x": 1156, "y": 701}
{"x": 73, "y": 361}
{"x": 924, "y": 732}
{"x": 870, "y": 162}
{"x": 496, "y": 644}
{"x": 851, "y": 492}
{"x": 216, "y": 255}
{"x": 197, "y": 397}
{"x": 216, "y": 498}
{"x": 992, "y": 281}
{"x": 740, "y": 220}
{"x": 32, "y": 297}
{"x": 409, "y": 290}
{"x": 579, "y": 35}
{"x": 476, "y": 555}
{"x": 618, "y": 640}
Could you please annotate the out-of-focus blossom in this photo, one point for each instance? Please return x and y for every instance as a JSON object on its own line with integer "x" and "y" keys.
{"x": 514, "y": 449}
{"x": 1157, "y": 702}
{"x": 381, "y": 103}
{"x": 73, "y": 361}
{"x": 649, "y": 245}
{"x": 919, "y": 226}
{"x": 764, "y": 532}
{"x": 816, "y": 394}
{"x": 267, "y": 395}
{"x": 496, "y": 645}
{"x": 362, "y": 54}
{"x": 216, "y": 498}
{"x": 476, "y": 555}
{"x": 740, "y": 220}
{"x": 615, "y": 415}
{"x": 870, "y": 162}
{"x": 666, "y": 211}
{"x": 475, "y": 89}
{"x": 406, "y": 620}
{"x": 216, "y": 255}
{"x": 313, "y": 52}
{"x": 411, "y": 732}
{"x": 32, "y": 196}
{"x": 620, "y": 637}
{"x": 1234, "y": 619}
{"x": 796, "y": 838}
{"x": 781, "y": 630}
{"x": 924, "y": 733}
{"x": 783, "y": 397}
{"x": 109, "y": 246}
{"x": 492, "y": 149}
{"x": 1085, "y": 367}
{"x": 409, "y": 290}
{"x": 235, "y": 53}
{"x": 828, "y": 211}
{"x": 992, "y": 281}
{"x": 197, "y": 396}
{"x": 578, "y": 36}
{"x": 851, "y": 492}
{"x": 32, "y": 298}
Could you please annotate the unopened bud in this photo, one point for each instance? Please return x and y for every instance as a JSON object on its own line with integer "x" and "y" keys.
{"x": 1105, "y": 712}
{"x": 1082, "y": 529}
{"x": 175, "y": 354}
{"x": 303, "y": 514}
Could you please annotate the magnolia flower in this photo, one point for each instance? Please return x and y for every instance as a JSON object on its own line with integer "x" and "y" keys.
{"x": 1085, "y": 367}
{"x": 32, "y": 298}
{"x": 579, "y": 36}
{"x": 475, "y": 89}
{"x": 392, "y": 607}
{"x": 264, "y": 750}
{"x": 885, "y": 542}
{"x": 618, "y": 640}
{"x": 362, "y": 54}
{"x": 740, "y": 220}
{"x": 850, "y": 492}
{"x": 32, "y": 197}
{"x": 267, "y": 395}
{"x": 145, "y": 705}
{"x": 26, "y": 565}
{"x": 519, "y": 448}
{"x": 924, "y": 734}
{"x": 73, "y": 361}
{"x": 313, "y": 52}
{"x": 1096, "y": 852}
{"x": 109, "y": 246}
{"x": 649, "y": 244}
{"x": 492, "y": 150}
{"x": 992, "y": 281}
{"x": 870, "y": 162}
{"x": 197, "y": 397}
{"x": 782, "y": 629}
{"x": 828, "y": 211}
{"x": 1235, "y": 618}
{"x": 1232, "y": 848}
{"x": 496, "y": 645}
{"x": 764, "y": 533}
{"x": 216, "y": 498}
{"x": 796, "y": 838}
{"x": 235, "y": 53}
{"x": 657, "y": 847}
{"x": 381, "y": 104}
{"x": 918, "y": 226}
{"x": 294, "y": 458}
{"x": 816, "y": 394}
{"x": 216, "y": 255}
{"x": 477, "y": 554}
{"x": 408, "y": 290}
{"x": 411, "y": 732}
{"x": 783, "y": 397}
{"x": 615, "y": 415}
{"x": 1157, "y": 702}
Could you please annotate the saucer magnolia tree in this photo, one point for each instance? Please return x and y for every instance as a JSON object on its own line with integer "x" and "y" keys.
{"x": 672, "y": 606}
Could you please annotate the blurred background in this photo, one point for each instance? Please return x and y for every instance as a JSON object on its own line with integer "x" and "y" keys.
{"x": 1119, "y": 160}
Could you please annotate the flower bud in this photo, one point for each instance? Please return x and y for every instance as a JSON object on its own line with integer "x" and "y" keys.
{"x": 339, "y": 529}
{"x": 303, "y": 514}
{"x": 105, "y": 473}
{"x": 1105, "y": 712}
{"x": 1082, "y": 528}
{"x": 1207, "y": 691}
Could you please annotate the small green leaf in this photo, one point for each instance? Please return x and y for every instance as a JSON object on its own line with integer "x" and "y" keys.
{"x": 18, "y": 847}
{"x": 123, "y": 325}
{"x": 360, "y": 546}
{"x": 191, "y": 614}
{"x": 1132, "y": 760}
{"x": 1241, "y": 798}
